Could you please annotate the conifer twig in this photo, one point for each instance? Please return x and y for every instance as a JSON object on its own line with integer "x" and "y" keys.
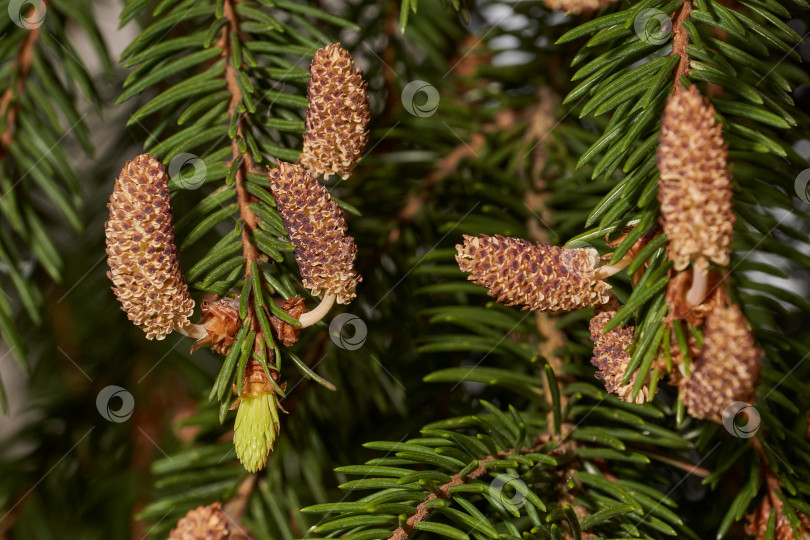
{"x": 423, "y": 510}
{"x": 8, "y": 105}
{"x": 244, "y": 198}
{"x": 680, "y": 39}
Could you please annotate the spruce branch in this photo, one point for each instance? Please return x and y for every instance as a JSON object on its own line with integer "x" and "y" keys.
{"x": 596, "y": 178}
{"x": 424, "y": 510}
{"x": 774, "y": 516}
{"x": 239, "y": 322}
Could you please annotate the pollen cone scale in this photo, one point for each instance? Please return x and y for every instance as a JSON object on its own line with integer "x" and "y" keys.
{"x": 141, "y": 253}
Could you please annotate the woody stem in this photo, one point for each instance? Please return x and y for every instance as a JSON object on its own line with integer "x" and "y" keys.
{"x": 311, "y": 317}
{"x": 680, "y": 40}
{"x": 10, "y": 100}
{"x": 244, "y": 198}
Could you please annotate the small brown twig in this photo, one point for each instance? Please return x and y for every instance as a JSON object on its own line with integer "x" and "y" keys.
{"x": 244, "y": 198}
{"x": 9, "y": 106}
{"x": 234, "y": 508}
{"x": 680, "y": 39}
{"x": 423, "y": 511}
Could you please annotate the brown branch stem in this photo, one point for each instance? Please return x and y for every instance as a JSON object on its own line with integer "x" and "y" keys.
{"x": 244, "y": 198}
{"x": 9, "y": 106}
{"x": 680, "y": 39}
{"x": 234, "y": 508}
{"x": 423, "y": 511}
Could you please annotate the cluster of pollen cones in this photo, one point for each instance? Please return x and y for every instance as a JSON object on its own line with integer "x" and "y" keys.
{"x": 149, "y": 283}
{"x": 695, "y": 192}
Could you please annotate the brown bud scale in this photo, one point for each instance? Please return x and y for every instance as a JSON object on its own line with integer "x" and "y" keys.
{"x": 287, "y": 333}
{"x": 220, "y": 318}
{"x": 141, "y": 254}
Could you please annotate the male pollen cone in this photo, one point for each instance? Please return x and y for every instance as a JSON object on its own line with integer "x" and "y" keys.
{"x": 141, "y": 254}
{"x": 533, "y": 276}
{"x": 317, "y": 229}
{"x": 695, "y": 187}
{"x": 728, "y": 367}
{"x": 610, "y": 353}
{"x": 204, "y": 522}
{"x": 337, "y": 116}
{"x": 577, "y": 6}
